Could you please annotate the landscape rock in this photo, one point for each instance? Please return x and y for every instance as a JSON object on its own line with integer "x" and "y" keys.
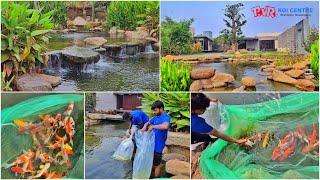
{"x": 280, "y": 76}
{"x": 80, "y": 55}
{"x": 309, "y": 77}
{"x": 295, "y": 73}
{"x": 202, "y": 73}
{"x": 120, "y": 33}
{"x": 178, "y": 139}
{"x": 180, "y": 177}
{"x": 305, "y": 85}
{"x": 248, "y": 81}
{"x": 155, "y": 46}
{"x": 301, "y": 65}
{"x": 151, "y": 40}
{"x": 32, "y": 82}
{"x": 53, "y": 80}
{"x": 176, "y": 167}
{"x": 96, "y": 41}
{"x": 113, "y": 31}
{"x": 79, "y": 21}
{"x": 171, "y": 156}
{"x": 222, "y": 77}
{"x": 284, "y": 68}
{"x": 208, "y": 84}
{"x": 196, "y": 86}
{"x": 269, "y": 69}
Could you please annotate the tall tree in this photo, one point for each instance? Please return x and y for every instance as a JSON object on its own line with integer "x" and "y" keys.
{"x": 234, "y": 21}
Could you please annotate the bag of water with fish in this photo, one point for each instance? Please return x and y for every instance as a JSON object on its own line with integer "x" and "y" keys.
{"x": 143, "y": 159}
{"x": 125, "y": 150}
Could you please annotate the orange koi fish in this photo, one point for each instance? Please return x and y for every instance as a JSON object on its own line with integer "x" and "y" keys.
{"x": 53, "y": 175}
{"x": 25, "y": 157}
{"x": 69, "y": 127}
{"x": 285, "y": 147}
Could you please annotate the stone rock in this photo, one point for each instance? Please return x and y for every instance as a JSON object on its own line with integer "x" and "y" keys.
{"x": 53, "y": 80}
{"x": 222, "y": 77}
{"x": 100, "y": 50}
{"x": 120, "y": 33}
{"x": 32, "y": 82}
{"x": 208, "y": 84}
{"x": 248, "y": 81}
{"x": 142, "y": 33}
{"x": 79, "y": 21}
{"x": 269, "y": 77}
{"x": 301, "y": 65}
{"x": 267, "y": 66}
{"x": 280, "y": 76}
{"x": 79, "y": 55}
{"x": 180, "y": 177}
{"x": 176, "y": 167}
{"x": 305, "y": 85}
{"x": 269, "y": 69}
{"x": 284, "y": 68}
{"x": 96, "y": 41}
{"x": 155, "y": 46}
{"x": 178, "y": 139}
{"x": 309, "y": 77}
{"x": 295, "y": 73}
{"x": 170, "y": 57}
{"x": 151, "y": 40}
{"x": 202, "y": 73}
{"x": 113, "y": 31}
{"x": 196, "y": 86}
{"x": 98, "y": 29}
{"x": 112, "y": 117}
{"x": 171, "y": 156}
{"x": 239, "y": 89}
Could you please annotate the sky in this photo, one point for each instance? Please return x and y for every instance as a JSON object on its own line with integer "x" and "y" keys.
{"x": 209, "y": 15}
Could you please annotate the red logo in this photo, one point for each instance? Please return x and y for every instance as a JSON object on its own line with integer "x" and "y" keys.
{"x": 267, "y": 11}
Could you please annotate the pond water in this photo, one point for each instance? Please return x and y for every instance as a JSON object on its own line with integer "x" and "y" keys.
{"x": 113, "y": 74}
{"x": 248, "y": 69}
{"x": 101, "y": 142}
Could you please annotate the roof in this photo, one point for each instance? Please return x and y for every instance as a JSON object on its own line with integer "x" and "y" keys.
{"x": 268, "y": 34}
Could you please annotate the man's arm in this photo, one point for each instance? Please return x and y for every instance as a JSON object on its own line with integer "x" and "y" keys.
{"x": 145, "y": 126}
{"x": 218, "y": 134}
{"x": 162, "y": 126}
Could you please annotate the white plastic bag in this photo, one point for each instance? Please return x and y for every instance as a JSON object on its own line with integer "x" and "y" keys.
{"x": 142, "y": 164}
{"x": 125, "y": 150}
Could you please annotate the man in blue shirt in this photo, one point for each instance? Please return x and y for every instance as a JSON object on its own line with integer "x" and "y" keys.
{"x": 137, "y": 118}
{"x": 200, "y": 129}
{"x": 160, "y": 124}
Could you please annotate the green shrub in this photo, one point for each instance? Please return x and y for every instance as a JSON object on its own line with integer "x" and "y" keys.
{"x": 177, "y": 105}
{"x": 315, "y": 58}
{"x": 176, "y": 37}
{"x": 175, "y": 76}
{"x": 87, "y": 27}
{"x": 23, "y": 38}
{"x": 128, "y": 15}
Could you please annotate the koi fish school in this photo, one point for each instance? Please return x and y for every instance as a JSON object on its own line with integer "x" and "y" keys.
{"x": 52, "y": 142}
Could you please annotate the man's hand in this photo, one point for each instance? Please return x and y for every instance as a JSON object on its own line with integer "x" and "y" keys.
{"x": 150, "y": 128}
{"x": 241, "y": 141}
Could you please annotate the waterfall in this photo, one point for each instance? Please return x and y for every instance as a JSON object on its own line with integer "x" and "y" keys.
{"x": 123, "y": 51}
{"x": 148, "y": 48}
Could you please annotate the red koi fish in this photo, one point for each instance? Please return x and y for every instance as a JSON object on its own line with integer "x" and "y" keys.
{"x": 69, "y": 127}
{"x": 285, "y": 147}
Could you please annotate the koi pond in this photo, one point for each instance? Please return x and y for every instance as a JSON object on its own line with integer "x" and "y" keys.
{"x": 101, "y": 142}
{"x": 120, "y": 64}
{"x": 251, "y": 69}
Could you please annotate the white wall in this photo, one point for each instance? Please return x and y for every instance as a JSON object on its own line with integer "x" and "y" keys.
{"x": 105, "y": 102}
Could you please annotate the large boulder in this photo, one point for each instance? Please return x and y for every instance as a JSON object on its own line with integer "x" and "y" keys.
{"x": 248, "y": 81}
{"x": 305, "y": 85}
{"x": 202, "y": 73}
{"x": 295, "y": 73}
{"x": 196, "y": 86}
{"x": 208, "y": 84}
{"x": 301, "y": 65}
{"x": 180, "y": 177}
{"x": 222, "y": 77}
{"x": 155, "y": 46}
{"x": 269, "y": 69}
{"x": 178, "y": 139}
{"x": 280, "y": 76}
{"x": 79, "y": 21}
{"x": 96, "y": 41}
{"x": 32, "y": 82}
{"x": 113, "y": 31}
{"x": 79, "y": 55}
{"x": 284, "y": 68}
{"x": 151, "y": 40}
{"x": 171, "y": 156}
{"x": 53, "y": 80}
{"x": 176, "y": 167}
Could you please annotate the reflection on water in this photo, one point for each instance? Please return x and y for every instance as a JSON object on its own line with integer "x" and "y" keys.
{"x": 248, "y": 69}
{"x": 131, "y": 74}
{"x": 101, "y": 142}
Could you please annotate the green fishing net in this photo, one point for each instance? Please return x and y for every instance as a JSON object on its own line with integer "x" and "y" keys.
{"x": 14, "y": 143}
{"x": 277, "y": 118}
